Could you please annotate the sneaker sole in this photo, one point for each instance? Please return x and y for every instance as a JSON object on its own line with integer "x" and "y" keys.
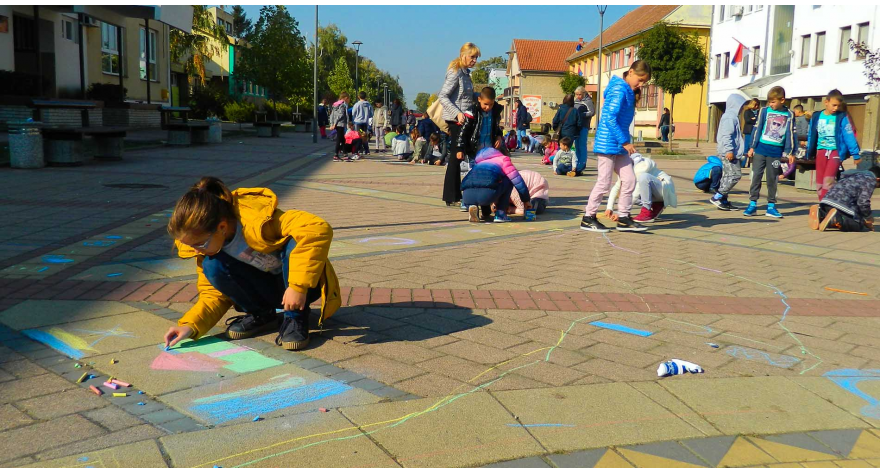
{"x": 647, "y": 221}
{"x": 749, "y": 215}
{"x": 718, "y": 205}
{"x": 593, "y": 229}
{"x": 775, "y": 217}
{"x": 296, "y": 346}
{"x": 827, "y": 220}
{"x": 474, "y": 212}
{"x": 235, "y": 335}
{"x": 814, "y": 217}
{"x": 632, "y": 229}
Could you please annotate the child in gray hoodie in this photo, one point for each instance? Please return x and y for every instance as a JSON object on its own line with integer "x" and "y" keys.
{"x": 730, "y": 149}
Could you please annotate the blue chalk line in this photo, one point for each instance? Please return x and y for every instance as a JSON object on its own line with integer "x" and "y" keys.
{"x": 621, "y": 328}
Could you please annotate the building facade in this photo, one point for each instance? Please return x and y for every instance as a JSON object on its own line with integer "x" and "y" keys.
{"x": 534, "y": 70}
{"x": 620, "y": 44}
{"x": 802, "y": 48}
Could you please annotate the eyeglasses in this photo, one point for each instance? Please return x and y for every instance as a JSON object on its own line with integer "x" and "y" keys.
{"x": 204, "y": 245}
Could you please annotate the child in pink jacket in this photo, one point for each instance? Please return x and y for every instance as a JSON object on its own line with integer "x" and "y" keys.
{"x": 489, "y": 183}
{"x": 539, "y": 191}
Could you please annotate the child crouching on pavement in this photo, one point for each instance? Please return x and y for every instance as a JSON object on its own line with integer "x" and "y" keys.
{"x": 488, "y": 185}
{"x": 564, "y": 158}
{"x": 352, "y": 143}
{"x": 655, "y": 190}
{"x": 847, "y": 205}
{"x": 401, "y": 147}
{"x": 419, "y": 143}
{"x": 250, "y": 254}
{"x": 708, "y": 177}
{"x": 437, "y": 150}
{"x": 539, "y": 192}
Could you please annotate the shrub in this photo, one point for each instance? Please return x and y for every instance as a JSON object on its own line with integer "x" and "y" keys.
{"x": 284, "y": 111}
{"x": 109, "y": 93}
{"x": 207, "y": 100}
{"x": 239, "y": 111}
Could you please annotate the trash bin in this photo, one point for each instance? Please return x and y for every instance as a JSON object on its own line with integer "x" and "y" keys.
{"x": 26, "y": 145}
{"x": 215, "y": 131}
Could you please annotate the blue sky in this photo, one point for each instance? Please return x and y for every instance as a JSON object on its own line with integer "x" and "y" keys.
{"x": 417, "y": 42}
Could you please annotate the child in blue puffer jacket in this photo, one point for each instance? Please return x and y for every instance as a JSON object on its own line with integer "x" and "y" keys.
{"x": 613, "y": 148}
{"x": 490, "y": 183}
{"x": 708, "y": 177}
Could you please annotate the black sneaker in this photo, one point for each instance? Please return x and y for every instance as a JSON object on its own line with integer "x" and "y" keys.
{"x": 730, "y": 205}
{"x": 294, "y": 332}
{"x": 592, "y": 224}
{"x": 720, "y": 203}
{"x": 248, "y": 325}
{"x": 627, "y": 224}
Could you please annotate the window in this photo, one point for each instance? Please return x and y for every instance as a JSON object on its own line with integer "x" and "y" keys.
{"x": 759, "y": 7}
{"x": 749, "y": 8}
{"x": 845, "y": 35}
{"x": 109, "y": 49}
{"x": 643, "y": 99}
{"x": 607, "y": 63}
{"x": 67, "y": 30}
{"x": 614, "y": 64}
{"x": 756, "y": 56}
{"x": 721, "y": 13}
{"x": 23, "y": 34}
{"x": 862, "y": 37}
{"x": 717, "y": 66}
{"x": 652, "y": 96}
{"x": 820, "y": 49}
{"x": 745, "y": 63}
{"x": 726, "y": 65}
{"x": 228, "y": 28}
{"x": 627, "y": 57}
{"x": 154, "y": 73}
{"x": 805, "y": 50}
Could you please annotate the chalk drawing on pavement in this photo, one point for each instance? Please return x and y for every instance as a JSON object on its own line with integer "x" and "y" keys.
{"x": 70, "y": 344}
{"x": 388, "y": 241}
{"x": 210, "y": 354}
{"x": 849, "y": 379}
{"x": 776, "y": 360}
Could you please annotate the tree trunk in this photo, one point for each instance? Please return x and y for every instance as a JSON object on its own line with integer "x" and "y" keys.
{"x": 671, "y": 122}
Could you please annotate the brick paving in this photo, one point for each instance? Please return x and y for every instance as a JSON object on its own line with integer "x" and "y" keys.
{"x": 433, "y": 306}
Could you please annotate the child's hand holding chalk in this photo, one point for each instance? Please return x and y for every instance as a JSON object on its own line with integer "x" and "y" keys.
{"x": 177, "y": 334}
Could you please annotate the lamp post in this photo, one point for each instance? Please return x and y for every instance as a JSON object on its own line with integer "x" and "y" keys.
{"x": 315, "y": 84}
{"x": 510, "y": 115}
{"x": 601, "y": 9}
{"x": 357, "y": 53}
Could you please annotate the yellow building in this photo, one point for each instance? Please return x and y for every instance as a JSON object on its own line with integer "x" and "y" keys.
{"x": 620, "y": 44}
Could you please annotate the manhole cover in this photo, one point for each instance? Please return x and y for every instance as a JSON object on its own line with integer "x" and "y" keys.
{"x": 136, "y": 186}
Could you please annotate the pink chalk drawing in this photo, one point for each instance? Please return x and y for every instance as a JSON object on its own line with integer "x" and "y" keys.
{"x": 227, "y": 352}
{"x": 188, "y": 361}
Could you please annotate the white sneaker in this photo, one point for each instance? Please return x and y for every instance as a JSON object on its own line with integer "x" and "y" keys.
{"x": 355, "y": 157}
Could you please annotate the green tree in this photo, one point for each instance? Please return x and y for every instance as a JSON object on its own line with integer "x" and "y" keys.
{"x": 195, "y": 49}
{"x": 276, "y": 57}
{"x": 340, "y": 79}
{"x": 421, "y": 101}
{"x": 480, "y": 74}
{"x": 570, "y": 82}
{"x": 241, "y": 24}
{"x": 676, "y": 58}
{"x": 431, "y": 100}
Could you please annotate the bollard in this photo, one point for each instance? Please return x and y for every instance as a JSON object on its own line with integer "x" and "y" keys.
{"x": 215, "y": 131}
{"x": 26, "y": 145}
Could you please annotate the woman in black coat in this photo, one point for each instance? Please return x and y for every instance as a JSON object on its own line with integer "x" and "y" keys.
{"x": 567, "y": 121}
{"x": 396, "y": 114}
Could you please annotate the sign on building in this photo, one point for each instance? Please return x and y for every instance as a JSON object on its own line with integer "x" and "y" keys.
{"x": 533, "y": 105}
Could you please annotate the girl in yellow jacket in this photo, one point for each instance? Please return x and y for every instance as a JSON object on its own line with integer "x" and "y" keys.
{"x": 256, "y": 256}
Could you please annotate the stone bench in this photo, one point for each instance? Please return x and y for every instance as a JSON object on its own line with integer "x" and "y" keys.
{"x": 63, "y": 145}
{"x": 187, "y": 133}
{"x": 268, "y": 129}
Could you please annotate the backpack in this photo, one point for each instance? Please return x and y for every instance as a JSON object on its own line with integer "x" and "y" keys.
{"x": 528, "y": 118}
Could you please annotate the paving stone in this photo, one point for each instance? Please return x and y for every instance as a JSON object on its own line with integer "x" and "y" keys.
{"x": 712, "y": 449}
{"x": 327, "y": 369}
{"x": 666, "y": 450}
{"x": 840, "y": 441}
{"x": 347, "y": 376}
{"x": 42, "y": 436}
{"x": 59, "y": 404}
{"x": 149, "y": 406}
{"x": 22, "y": 368}
{"x": 112, "y": 418}
{"x": 33, "y": 314}
{"x": 578, "y": 459}
{"x": 182, "y": 425}
{"x": 529, "y": 463}
{"x": 143, "y": 454}
{"x": 310, "y": 363}
{"x": 32, "y": 387}
{"x": 381, "y": 369}
{"x": 117, "y": 438}
{"x": 367, "y": 384}
{"x": 11, "y": 417}
{"x": 162, "y": 416}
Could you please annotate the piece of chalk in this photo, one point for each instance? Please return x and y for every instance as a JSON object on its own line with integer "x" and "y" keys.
{"x": 96, "y": 390}
{"x": 257, "y": 418}
{"x": 141, "y": 403}
{"x": 83, "y": 377}
{"x": 77, "y": 365}
{"x": 113, "y": 361}
{"x": 140, "y": 392}
{"x": 323, "y": 410}
{"x": 111, "y": 385}
{"x": 712, "y": 344}
{"x": 121, "y": 383}
{"x": 120, "y": 394}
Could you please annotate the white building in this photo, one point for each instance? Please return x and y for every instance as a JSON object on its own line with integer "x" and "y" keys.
{"x": 802, "y": 48}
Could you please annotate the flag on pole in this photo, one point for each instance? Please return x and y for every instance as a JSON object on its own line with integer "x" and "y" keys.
{"x": 580, "y": 73}
{"x": 738, "y": 55}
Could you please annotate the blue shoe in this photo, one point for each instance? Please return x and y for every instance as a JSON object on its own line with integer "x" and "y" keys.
{"x": 501, "y": 216}
{"x": 464, "y": 207}
{"x": 751, "y": 210}
{"x": 772, "y": 212}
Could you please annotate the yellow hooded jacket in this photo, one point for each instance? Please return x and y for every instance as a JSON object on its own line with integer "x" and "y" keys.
{"x": 266, "y": 229}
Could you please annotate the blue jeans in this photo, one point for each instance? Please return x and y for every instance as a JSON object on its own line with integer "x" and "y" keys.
{"x": 520, "y": 134}
{"x": 563, "y": 168}
{"x": 581, "y": 150}
{"x": 712, "y": 182}
{"x": 251, "y": 289}
{"x": 485, "y": 197}
{"x": 664, "y": 133}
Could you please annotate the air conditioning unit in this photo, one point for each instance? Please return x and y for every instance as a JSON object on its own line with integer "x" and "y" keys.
{"x": 552, "y": 104}
{"x": 737, "y": 10}
{"x": 90, "y": 22}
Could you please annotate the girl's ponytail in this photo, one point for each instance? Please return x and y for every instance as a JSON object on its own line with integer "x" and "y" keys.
{"x": 202, "y": 208}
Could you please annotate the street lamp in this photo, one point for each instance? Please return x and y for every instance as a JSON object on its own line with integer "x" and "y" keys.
{"x": 510, "y": 116}
{"x": 314, "y": 83}
{"x": 357, "y": 53}
{"x": 601, "y": 9}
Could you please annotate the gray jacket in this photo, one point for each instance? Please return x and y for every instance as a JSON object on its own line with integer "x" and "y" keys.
{"x": 457, "y": 93}
{"x": 730, "y": 137}
{"x": 586, "y": 109}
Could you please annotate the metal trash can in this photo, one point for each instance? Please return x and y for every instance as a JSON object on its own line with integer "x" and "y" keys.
{"x": 215, "y": 131}
{"x": 26, "y": 145}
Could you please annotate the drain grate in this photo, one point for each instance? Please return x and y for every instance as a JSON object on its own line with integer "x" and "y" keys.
{"x": 136, "y": 186}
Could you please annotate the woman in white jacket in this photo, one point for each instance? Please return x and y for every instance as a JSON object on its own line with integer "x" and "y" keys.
{"x": 654, "y": 190}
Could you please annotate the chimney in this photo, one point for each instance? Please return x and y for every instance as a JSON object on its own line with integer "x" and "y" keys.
{"x": 580, "y": 40}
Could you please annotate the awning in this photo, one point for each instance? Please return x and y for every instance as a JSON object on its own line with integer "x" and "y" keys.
{"x": 176, "y": 16}
{"x": 759, "y": 88}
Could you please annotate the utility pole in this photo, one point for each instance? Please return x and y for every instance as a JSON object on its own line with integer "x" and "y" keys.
{"x": 357, "y": 54}
{"x": 315, "y": 84}
{"x": 601, "y": 9}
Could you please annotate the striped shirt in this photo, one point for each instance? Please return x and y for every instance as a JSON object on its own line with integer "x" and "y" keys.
{"x": 457, "y": 93}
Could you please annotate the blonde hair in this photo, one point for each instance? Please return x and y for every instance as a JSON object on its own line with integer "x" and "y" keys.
{"x": 201, "y": 209}
{"x": 776, "y": 92}
{"x": 466, "y": 49}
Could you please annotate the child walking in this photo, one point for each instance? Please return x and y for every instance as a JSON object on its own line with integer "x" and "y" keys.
{"x": 774, "y": 137}
{"x": 730, "y": 151}
{"x": 339, "y": 122}
{"x": 613, "y": 148}
{"x": 831, "y": 141}
{"x": 251, "y": 254}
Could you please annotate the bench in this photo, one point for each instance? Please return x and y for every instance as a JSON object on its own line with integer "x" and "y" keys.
{"x": 184, "y": 132}
{"x": 64, "y": 143}
{"x": 268, "y": 129}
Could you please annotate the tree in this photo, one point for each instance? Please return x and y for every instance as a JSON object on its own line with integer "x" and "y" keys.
{"x": 677, "y": 60}
{"x": 340, "y": 79}
{"x": 871, "y": 63}
{"x": 570, "y": 82}
{"x": 431, "y": 100}
{"x": 195, "y": 49}
{"x": 421, "y": 101}
{"x": 241, "y": 24}
{"x": 276, "y": 57}
{"x": 480, "y": 74}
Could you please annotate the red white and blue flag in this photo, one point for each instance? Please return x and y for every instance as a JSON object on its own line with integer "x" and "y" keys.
{"x": 738, "y": 55}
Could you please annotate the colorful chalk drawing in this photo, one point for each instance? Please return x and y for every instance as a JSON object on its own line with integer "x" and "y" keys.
{"x": 776, "y": 360}
{"x": 209, "y": 354}
{"x": 621, "y": 328}
{"x": 848, "y": 379}
{"x": 70, "y": 344}
{"x": 56, "y": 259}
{"x": 388, "y": 241}
{"x": 265, "y": 398}
{"x": 541, "y": 425}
